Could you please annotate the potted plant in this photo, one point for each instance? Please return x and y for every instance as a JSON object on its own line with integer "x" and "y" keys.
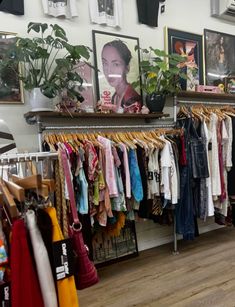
{"x": 47, "y": 64}
{"x": 160, "y": 75}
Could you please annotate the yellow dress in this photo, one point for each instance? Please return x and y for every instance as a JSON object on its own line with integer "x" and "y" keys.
{"x": 67, "y": 293}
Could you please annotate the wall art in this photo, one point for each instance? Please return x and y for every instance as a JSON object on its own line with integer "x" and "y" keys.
{"x": 11, "y": 90}
{"x": 219, "y": 56}
{"x": 117, "y": 66}
{"x": 189, "y": 45}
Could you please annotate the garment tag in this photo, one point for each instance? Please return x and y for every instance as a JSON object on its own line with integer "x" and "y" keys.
{"x": 150, "y": 175}
{"x": 210, "y": 146}
{"x": 157, "y": 176}
{"x": 5, "y": 294}
{"x": 63, "y": 259}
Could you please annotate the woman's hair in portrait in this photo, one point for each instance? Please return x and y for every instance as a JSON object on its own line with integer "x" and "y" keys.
{"x": 122, "y": 49}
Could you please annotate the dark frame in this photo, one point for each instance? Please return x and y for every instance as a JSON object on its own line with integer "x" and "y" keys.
{"x": 99, "y": 39}
{"x": 219, "y": 56}
{"x": 11, "y": 90}
{"x": 185, "y": 39}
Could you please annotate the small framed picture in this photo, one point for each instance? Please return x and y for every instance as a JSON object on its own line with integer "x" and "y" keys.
{"x": 85, "y": 71}
{"x": 11, "y": 90}
{"x": 117, "y": 66}
{"x": 219, "y": 56}
{"x": 190, "y": 46}
{"x": 230, "y": 84}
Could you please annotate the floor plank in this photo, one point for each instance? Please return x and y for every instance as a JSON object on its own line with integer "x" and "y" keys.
{"x": 203, "y": 274}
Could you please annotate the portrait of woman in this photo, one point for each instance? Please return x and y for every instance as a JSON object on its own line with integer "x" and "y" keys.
{"x": 117, "y": 62}
{"x": 220, "y": 59}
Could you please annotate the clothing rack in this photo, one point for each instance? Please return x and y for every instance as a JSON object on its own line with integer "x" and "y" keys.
{"x": 95, "y": 127}
{"x": 24, "y": 157}
{"x": 177, "y": 102}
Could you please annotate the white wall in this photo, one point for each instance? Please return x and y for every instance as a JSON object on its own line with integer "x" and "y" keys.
{"x": 188, "y": 15}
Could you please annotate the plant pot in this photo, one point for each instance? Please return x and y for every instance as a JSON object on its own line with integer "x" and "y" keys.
{"x": 155, "y": 102}
{"x": 39, "y": 102}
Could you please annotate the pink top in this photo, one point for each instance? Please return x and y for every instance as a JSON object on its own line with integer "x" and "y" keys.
{"x": 109, "y": 166}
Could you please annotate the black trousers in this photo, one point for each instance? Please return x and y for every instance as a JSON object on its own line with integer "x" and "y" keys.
{"x": 148, "y": 12}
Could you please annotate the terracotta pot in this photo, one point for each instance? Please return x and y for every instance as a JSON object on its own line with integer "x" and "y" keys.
{"x": 155, "y": 102}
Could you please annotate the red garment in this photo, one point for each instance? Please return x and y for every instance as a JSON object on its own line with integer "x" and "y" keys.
{"x": 183, "y": 158}
{"x": 25, "y": 289}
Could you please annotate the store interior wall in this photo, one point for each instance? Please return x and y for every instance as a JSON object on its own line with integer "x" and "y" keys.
{"x": 186, "y": 15}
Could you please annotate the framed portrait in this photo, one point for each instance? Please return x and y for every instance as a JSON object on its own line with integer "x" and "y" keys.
{"x": 117, "y": 66}
{"x": 189, "y": 45}
{"x": 219, "y": 56}
{"x": 11, "y": 90}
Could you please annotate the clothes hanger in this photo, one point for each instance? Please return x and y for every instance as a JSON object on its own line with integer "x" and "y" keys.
{"x": 9, "y": 200}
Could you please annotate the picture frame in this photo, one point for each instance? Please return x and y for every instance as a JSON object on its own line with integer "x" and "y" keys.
{"x": 117, "y": 61}
{"x": 219, "y": 56}
{"x": 85, "y": 71}
{"x": 189, "y": 45}
{"x": 11, "y": 89}
{"x": 229, "y": 84}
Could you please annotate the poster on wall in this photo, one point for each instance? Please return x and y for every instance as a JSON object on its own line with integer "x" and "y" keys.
{"x": 117, "y": 66}
{"x": 219, "y": 56}
{"x": 10, "y": 85}
{"x": 188, "y": 45}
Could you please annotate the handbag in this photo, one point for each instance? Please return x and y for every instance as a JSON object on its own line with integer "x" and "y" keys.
{"x": 85, "y": 273}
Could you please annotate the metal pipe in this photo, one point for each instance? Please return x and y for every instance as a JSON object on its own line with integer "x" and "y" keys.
{"x": 205, "y": 102}
{"x": 108, "y": 127}
{"x": 22, "y": 157}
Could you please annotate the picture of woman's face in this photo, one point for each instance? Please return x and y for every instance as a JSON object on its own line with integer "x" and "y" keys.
{"x": 114, "y": 67}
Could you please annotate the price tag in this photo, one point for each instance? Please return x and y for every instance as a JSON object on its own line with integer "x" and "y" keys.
{"x": 63, "y": 259}
{"x": 5, "y": 294}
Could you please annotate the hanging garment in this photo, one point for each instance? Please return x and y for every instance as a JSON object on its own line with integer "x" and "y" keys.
{"x": 107, "y": 12}
{"x": 148, "y": 12}
{"x": 45, "y": 276}
{"x": 58, "y": 8}
{"x": 25, "y": 288}
{"x": 231, "y": 174}
{"x": 109, "y": 167}
{"x": 15, "y": 7}
{"x": 67, "y": 294}
{"x": 214, "y": 157}
{"x": 136, "y": 182}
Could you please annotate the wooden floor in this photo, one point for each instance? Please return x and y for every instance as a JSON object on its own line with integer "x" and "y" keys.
{"x": 203, "y": 274}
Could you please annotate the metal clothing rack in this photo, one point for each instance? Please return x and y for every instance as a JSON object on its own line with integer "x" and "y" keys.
{"x": 43, "y": 128}
{"x": 24, "y": 157}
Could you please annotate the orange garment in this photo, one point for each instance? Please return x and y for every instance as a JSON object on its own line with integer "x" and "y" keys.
{"x": 67, "y": 293}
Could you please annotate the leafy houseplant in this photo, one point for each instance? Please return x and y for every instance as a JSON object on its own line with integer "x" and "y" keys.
{"x": 160, "y": 75}
{"x": 48, "y": 62}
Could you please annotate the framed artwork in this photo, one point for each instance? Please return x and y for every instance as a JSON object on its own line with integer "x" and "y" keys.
{"x": 11, "y": 90}
{"x": 219, "y": 56}
{"x": 117, "y": 66}
{"x": 189, "y": 45}
{"x": 230, "y": 84}
{"x": 85, "y": 71}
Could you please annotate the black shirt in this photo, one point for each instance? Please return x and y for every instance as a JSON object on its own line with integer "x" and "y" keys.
{"x": 15, "y": 7}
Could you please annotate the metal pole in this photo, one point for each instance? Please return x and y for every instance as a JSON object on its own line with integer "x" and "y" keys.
{"x": 175, "y": 251}
{"x": 40, "y": 130}
{"x": 175, "y": 108}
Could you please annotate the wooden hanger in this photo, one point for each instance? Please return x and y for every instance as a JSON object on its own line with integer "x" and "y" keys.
{"x": 30, "y": 182}
{"x": 9, "y": 200}
{"x": 17, "y": 191}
